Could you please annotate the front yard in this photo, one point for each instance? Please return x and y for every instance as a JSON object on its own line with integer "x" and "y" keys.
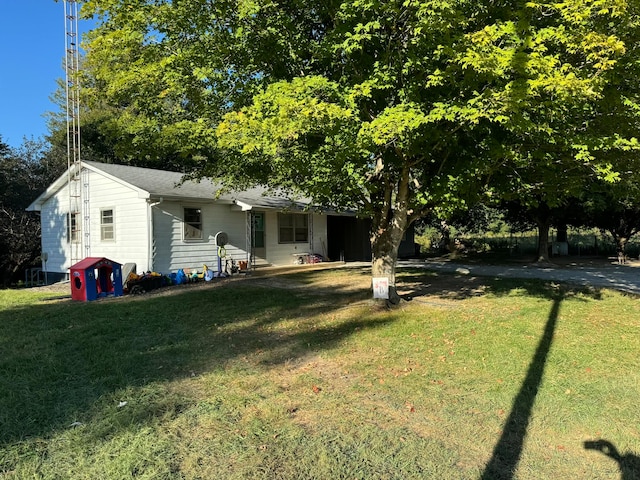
{"x": 301, "y": 376}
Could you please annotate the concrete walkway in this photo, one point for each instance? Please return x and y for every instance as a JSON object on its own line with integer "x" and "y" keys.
{"x": 625, "y": 278}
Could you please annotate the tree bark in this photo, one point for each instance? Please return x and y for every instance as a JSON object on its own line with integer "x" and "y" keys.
{"x": 622, "y": 230}
{"x": 543, "y": 222}
{"x": 384, "y": 248}
{"x": 621, "y": 246}
{"x": 388, "y": 226}
{"x": 543, "y": 241}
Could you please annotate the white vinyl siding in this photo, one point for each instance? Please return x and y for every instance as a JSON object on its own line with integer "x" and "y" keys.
{"x": 171, "y": 252}
{"x": 130, "y": 225}
{"x": 285, "y": 253}
{"x": 129, "y": 222}
{"x": 164, "y": 249}
{"x": 55, "y": 240}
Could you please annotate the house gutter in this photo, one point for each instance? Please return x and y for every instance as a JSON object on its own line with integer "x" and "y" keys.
{"x": 150, "y": 206}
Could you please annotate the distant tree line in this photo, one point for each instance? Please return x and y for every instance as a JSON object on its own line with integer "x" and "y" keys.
{"x": 25, "y": 172}
{"x": 602, "y": 208}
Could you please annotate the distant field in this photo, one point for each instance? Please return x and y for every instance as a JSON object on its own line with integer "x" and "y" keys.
{"x": 302, "y": 376}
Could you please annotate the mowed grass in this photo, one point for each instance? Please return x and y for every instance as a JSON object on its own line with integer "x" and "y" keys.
{"x": 302, "y": 376}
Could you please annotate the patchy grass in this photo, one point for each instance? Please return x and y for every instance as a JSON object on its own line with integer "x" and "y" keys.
{"x": 301, "y": 376}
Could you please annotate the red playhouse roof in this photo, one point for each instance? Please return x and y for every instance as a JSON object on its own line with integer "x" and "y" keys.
{"x": 93, "y": 262}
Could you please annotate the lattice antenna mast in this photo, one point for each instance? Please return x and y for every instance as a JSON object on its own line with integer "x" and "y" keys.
{"x": 78, "y": 221}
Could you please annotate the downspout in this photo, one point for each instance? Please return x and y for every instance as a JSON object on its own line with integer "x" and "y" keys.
{"x": 150, "y": 231}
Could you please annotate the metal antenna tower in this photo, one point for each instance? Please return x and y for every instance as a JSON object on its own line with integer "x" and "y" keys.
{"x": 78, "y": 221}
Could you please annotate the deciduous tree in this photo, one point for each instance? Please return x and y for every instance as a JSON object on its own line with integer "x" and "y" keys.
{"x": 395, "y": 108}
{"x": 24, "y": 173}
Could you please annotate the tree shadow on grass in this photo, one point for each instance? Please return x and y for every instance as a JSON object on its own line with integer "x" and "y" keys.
{"x": 629, "y": 464}
{"x": 62, "y": 361}
{"x": 507, "y": 452}
{"x": 451, "y": 286}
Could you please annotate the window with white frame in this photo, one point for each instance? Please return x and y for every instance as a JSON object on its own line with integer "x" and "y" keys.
{"x": 293, "y": 228}
{"x": 73, "y": 227}
{"x": 107, "y": 227}
{"x": 192, "y": 224}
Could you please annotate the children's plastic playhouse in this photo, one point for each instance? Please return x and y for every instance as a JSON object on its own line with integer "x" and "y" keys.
{"x": 95, "y": 277}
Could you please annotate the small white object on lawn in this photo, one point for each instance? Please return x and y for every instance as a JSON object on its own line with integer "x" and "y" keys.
{"x": 381, "y": 287}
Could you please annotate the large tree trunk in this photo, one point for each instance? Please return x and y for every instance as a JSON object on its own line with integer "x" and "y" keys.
{"x": 621, "y": 249}
{"x": 621, "y": 240}
{"x": 542, "y": 217}
{"x": 384, "y": 248}
{"x": 388, "y": 226}
{"x": 543, "y": 241}
{"x": 622, "y": 231}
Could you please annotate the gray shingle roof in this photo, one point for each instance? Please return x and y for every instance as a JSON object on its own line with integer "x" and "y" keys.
{"x": 161, "y": 183}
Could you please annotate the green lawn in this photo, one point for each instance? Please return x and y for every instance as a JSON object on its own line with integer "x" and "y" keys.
{"x": 302, "y": 376}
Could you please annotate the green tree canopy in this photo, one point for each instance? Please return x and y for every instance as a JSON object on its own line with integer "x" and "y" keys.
{"x": 395, "y": 108}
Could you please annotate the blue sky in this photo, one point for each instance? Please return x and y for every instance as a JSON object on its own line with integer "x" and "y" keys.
{"x": 32, "y": 44}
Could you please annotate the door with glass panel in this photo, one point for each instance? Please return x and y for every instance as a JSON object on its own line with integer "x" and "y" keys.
{"x": 258, "y": 246}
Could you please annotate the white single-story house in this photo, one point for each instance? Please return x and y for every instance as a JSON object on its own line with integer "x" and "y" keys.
{"x": 148, "y": 217}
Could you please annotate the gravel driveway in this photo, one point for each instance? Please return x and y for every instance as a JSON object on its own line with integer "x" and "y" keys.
{"x": 625, "y": 278}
